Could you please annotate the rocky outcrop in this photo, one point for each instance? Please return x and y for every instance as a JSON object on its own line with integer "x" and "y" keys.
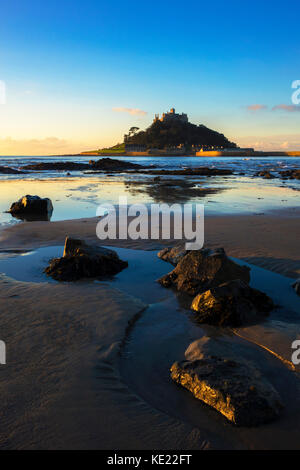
{"x": 172, "y": 254}
{"x": 233, "y": 303}
{"x": 296, "y": 286}
{"x": 80, "y": 261}
{"x": 104, "y": 164}
{"x": 200, "y": 171}
{"x": 109, "y": 164}
{"x": 32, "y": 208}
{"x": 201, "y": 270}
{"x": 57, "y": 166}
{"x": 233, "y": 387}
{"x": 5, "y": 170}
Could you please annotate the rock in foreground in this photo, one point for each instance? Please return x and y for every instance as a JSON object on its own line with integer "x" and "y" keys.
{"x": 172, "y": 255}
{"x": 32, "y": 207}
{"x": 233, "y": 303}
{"x": 200, "y": 270}
{"x": 80, "y": 261}
{"x": 235, "y": 388}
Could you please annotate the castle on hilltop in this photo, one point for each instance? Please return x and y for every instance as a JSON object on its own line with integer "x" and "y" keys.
{"x": 171, "y": 117}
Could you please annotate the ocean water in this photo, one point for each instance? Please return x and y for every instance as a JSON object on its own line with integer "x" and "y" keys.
{"x": 78, "y": 195}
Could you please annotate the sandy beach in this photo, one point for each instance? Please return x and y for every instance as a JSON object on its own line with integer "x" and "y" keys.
{"x": 86, "y": 358}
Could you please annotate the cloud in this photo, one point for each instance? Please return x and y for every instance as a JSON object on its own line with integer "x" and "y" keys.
{"x": 256, "y": 107}
{"x": 271, "y": 142}
{"x": 132, "y": 111}
{"x": 290, "y": 108}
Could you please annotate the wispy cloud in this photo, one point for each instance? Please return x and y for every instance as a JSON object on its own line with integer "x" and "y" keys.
{"x": 290, "y": 108}
{"x": 132, "y": 111}
{"x": 256, "y": 107}
{"x": 271, "y": 142}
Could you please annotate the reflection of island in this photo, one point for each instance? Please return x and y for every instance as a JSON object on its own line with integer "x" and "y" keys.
{"x": 169, "y": 191}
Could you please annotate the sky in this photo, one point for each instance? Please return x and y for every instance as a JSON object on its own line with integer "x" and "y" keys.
{"x": 76, "y": 75}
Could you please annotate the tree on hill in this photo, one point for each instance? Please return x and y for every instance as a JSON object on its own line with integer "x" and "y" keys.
{"x": 163, "y": 134}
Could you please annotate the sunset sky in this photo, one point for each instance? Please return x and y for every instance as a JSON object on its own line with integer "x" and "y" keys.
{"x": 79, "y": 74}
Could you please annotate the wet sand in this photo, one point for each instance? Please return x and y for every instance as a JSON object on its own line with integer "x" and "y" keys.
{"x": 66, "y": 385}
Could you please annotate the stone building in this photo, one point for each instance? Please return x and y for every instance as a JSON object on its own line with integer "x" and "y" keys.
{"x": 171, "y": 116}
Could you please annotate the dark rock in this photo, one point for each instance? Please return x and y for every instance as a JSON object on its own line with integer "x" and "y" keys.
{"x": 81, "y": 261}
{"x": 235, "y": 388}
{"x": 32, "y": 208}
{"x": 296, "y": 286}
{"x": 265, "y": 174}
{"x": 109, "y": 164}
{"x": 10, "y": 171}
{"x": 290, "y": 174}
{"x": 200, "y": 270}
{"x": 57, "y": 166}
{"x": 172, "y": 254}
{"x": 233, "y": 303}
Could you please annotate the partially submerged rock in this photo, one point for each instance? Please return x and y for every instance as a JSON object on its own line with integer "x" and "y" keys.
{"x": 32, "y": 208}
{"x": 114, "y": 165}
{"x": 296, "y": 286}
{"x": 233, "y": 303}
{"x": 200, "y": 270}
{"x": 10, "y": 171}
{"x": 233, "y": 387}
{"x": 57, "y": 166}
{"x": 172, "y": 254}
{"x": 81, "y": 260}
{"x": 265, "y": 174}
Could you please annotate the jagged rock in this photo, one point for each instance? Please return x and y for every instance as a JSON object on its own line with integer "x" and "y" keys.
{"x": 296, "y": 286}
{"x": 235, "y": 388}
{"x": 81, "y": 261}
{"x": 233, "y": 303}
{"x": 172, "y": 254}
{"x": 200, "y": 270}
{"x": 32, "y": 208}
{"x": 10, "y": 171}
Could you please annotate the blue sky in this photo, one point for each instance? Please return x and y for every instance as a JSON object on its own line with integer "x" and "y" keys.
{"x": 79, "y": 74}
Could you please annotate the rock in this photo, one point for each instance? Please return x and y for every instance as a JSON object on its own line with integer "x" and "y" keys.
{"x": 296, "y": 286}
{"x": 109, "y": 164}
{"x": 32, "y": 208}
{"x": 200, "y": 171}
{"x": 57, "y": 166}
{"x": 10, "y": 171}
{"x": 235, "y": 388}
{"x": 233, "y": 303}
{"x": 81, "y": 261}
{"x": 265, "y": 174}
{"x": 200, "y": 270}
{"x": 172, "y": 254}
{"x": 291, "y": 174}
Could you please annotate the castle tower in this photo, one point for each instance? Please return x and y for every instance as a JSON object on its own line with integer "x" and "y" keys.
{"x": 172, "y": 110}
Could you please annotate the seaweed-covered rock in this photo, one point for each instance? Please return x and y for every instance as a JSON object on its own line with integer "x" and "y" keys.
{"x": 32, "y": 208}
{"x": 111, "y": 164}
{"x": 233, "y": 303}
{"x": 200, "y": 270}
{"x": 172, "y": 254}
{"x": 233, "y": 387}
{"x": 81, "y": 261}
{"x": 57, "y": 166}
{"x": 265, "y": 174}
